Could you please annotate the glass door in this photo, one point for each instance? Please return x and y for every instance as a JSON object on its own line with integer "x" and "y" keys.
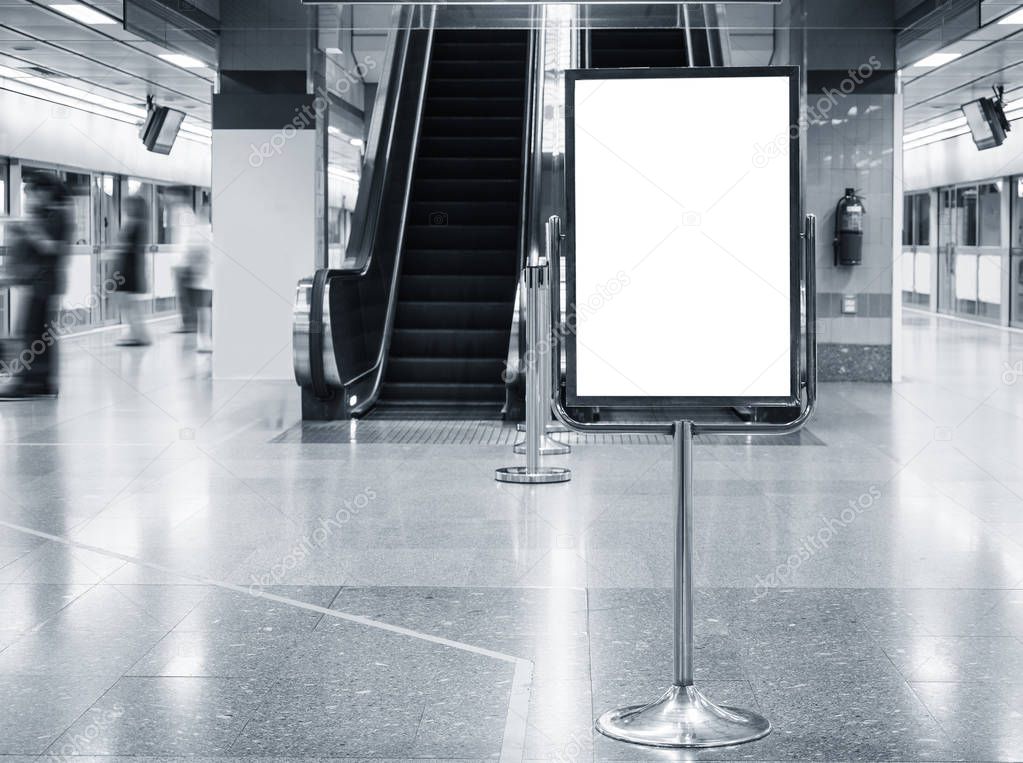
{"x": 108, "y": 231}
{"x": 917, "y": 252}
{"x": 1016, "y": 253}
{"x": 970, "y": 251}
{"x": 947, "y": 221}
{"x": 5, "y": 312}
{"x": 964, "y": 265}
{"x": 988, "y": 305}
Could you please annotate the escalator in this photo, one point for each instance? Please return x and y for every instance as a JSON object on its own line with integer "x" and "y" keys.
{"x": 421, "y": 320}
{"x": 612, "y": 48}
{"x": 460, "y": 263}
{"x": 694, "y": 37}
{"x": 418, "y": 320}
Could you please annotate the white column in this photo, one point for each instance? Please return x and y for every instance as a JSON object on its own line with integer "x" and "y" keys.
{"x": 264, "y": 234}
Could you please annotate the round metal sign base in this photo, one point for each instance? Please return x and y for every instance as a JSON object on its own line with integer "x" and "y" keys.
{"x": 543, "y": 474}
{"x": 683, "y": 717}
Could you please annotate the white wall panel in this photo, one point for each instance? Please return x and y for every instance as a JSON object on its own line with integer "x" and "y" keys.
{"x": 79, "y": 293}
{"x": 908, "y": 269}
{"x": 957, "y": 160}
{"x": 922, "y": 282}
{"x": 989, "y": 279}
{"x": 966, "y": 276}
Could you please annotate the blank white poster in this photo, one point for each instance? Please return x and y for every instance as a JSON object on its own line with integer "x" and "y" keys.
{"x": 682, "y": 237}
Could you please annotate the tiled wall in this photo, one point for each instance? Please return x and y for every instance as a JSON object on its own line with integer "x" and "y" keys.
{"x": 853, "y": 148}
{"x": 850, "y": 145}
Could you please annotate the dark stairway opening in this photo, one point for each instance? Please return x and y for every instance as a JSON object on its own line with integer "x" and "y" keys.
{"x": 460, "y": 261}
{"x": 610, "y": 48}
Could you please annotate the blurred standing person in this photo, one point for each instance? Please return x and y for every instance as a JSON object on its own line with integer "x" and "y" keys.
{"x": 198, "y": 262}
{"x": 131, "y": 264}
{"x": 37, "y": 260}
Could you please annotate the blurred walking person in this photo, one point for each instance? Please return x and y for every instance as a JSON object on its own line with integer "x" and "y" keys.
{"x": 131, "y": 265}
{"x": 36, "y": 262}
{"x": 182, "y": 233}
{"x": 197, "y": 260}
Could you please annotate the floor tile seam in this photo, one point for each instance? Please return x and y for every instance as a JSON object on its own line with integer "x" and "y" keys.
{"x": 249, "y": 591}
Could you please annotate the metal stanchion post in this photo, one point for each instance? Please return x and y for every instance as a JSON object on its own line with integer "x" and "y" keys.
{"x": 683, "y": 716}
{"x": 549, "y": 446}
{"x": 537, "y": 396}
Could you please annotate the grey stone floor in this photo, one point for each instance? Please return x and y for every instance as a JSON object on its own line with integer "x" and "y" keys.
{"x": 174, "y": 585}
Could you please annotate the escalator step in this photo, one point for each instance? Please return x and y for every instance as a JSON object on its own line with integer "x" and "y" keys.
{"x": 489, "y": 189}
{"x": 426, "y": 394}
{"x": 466, "y": 262}
{"x": 460, "y": 50}
{"x": 450, "y": 106}
{"x": 500, "y": 237}
{"x": 467, "y": 289}
{"x": 638, "y": 58}
{"x": 437, "y": 314}
{"x": 637, "y": 38}
{"x": 476, "y": 88}
{"x": 479, "y": 35}
{"x": 480, "y": 237}
{"x": 611, "y": 48}
{"x": 441, "y": 370}
{"x": 471, "y": 148}
{"x": 467, "y": 68}
{"x": 463, "y": 213}
{"x": 450, "y": 343}
{"x": 455, "y": 127}
{"x": 476, "y": 167}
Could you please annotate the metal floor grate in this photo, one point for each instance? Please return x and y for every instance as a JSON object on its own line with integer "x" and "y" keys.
{"x": 483, "y": 432}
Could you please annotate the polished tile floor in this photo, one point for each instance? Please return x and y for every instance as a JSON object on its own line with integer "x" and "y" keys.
{"x": 175, "y": 584}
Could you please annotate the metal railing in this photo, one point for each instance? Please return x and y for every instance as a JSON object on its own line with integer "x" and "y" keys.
{"x": 528, "y": 206}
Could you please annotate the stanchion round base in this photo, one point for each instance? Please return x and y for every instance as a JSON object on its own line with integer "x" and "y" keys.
{"x": 548, "y": 447}
{"x": 683, "y": 717}
{"x": 543, "y": 474}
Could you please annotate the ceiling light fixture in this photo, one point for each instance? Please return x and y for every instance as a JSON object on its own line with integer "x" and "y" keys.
{"x": 937, "y": 59}
{"x": 84, "y": 14}
{"x": 180, "y": 59}
{"x": 18, "y": 81}
{"x": 1016, "y": 17}
{"x": 357, "y": 142}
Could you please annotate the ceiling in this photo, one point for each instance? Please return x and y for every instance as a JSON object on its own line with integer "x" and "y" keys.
{"x": 105, "y": 60}
{"x": 990, "y": 55}
{"x": 122, "y": 66}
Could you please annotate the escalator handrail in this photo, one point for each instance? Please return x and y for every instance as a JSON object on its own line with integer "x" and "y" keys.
{"x": 366, "y": 208}
{"x": 392, "y": 297}
{"x": 529, "y": 193}
{"x": 377, "y": 164}
{"x": 530, "y": 151}
{"x": 366, "y": 219}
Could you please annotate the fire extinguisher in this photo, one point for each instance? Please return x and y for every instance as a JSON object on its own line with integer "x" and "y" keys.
{"x": 849, "y": 229}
